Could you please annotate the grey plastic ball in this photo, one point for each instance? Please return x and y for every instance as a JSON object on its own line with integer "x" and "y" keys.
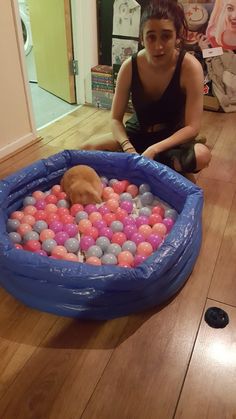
{"x": 72, "y": 245}
{"x": 15, "y": 237}
{"x": 12, "y": 225}
{"x": 109, "y": 259}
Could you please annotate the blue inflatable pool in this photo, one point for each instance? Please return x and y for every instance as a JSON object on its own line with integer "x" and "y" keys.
{"x": 101, "y": 292}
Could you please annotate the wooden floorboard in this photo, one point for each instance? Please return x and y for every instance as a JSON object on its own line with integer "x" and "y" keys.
{"x": 161, "y": 364}
{"x": 210, "y": 386}
{"x": 154, "y": 360}
{"x": 224, "y": 279}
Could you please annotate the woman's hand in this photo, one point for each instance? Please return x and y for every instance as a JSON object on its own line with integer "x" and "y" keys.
{"x": 152, "y": 151}
{"x": 131, "y": 150}
{"x": 127, "y": 147}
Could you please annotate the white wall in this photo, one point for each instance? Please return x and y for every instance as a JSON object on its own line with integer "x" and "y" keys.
{"x": 84, "y": 22}
{"x": 16, "y": 122}
{"x": 17, "y": 127}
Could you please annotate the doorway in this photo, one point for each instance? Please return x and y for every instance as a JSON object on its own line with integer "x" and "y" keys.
{"x": 47, "y": 106}
{"x": 85, "y": 44}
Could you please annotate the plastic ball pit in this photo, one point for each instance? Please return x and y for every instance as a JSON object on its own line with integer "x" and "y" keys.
{"x": 101, "y": 292}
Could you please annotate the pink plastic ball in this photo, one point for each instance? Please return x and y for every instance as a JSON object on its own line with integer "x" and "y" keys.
{"x": 50, "y": 199}
{"x": 41, "y": 252}
{"x": 107, "y": 191}
{"x": 67, "y": 219}
{"x": 129, "y": 230}
{"x": 90, "y": 208}
{"x": 158, "y": 210}
{"x": 30, "y": 210}
{"x": 59, "y": 252}
{"x": 61, "y": 211}
{"x": 84, "y": 224}
{"x": 17, "y": 215}
{"x": 61, "y": 195}
{"x": 106, "y": 232}
{"x": 91, "y": 231}
{"x": 61, "y": 237}
{"x": 32, "y": 245}
{"x": 115, "y": 196}
{"x": 51, "y": 216}
{"x": 24, "y": 228}
{"x": 112, "y": 204}
{"x": 109, "y": 218}
{"x": 137, "y": 238}
{"x": 103, "y": 209}
{"x": 124, "y": 265}
{"x": 86, "y": 242}
{"x": 125, "y": 258}
{"x": 93, "y": 260}
{"x": 95, "y": 216}
{"x": 119, "y": 187}
{"x": 129, "y": 220}
{"x": 71, "y": 257}
{"x": 155, "y": 240}
{"x": 119, "y": 238}
{"x": 38, "y": 195}
{"x": 138, "y": 259}
{"x": 168, "y": 222}
{"x": 40, "y": 215}
{"x": 28, "y": 219}
{"x": 154, "y": 219}
{"x": 144, "y": 248}
{"x": 126, "y": 183}
{"x": 71, "y": 229}
{"x": 56, "y": 189}
{"x": 141, "y": 220}
{"x": 46, "y": 234}
{"x": 40, "y": 204}
{"x": 145, "y": 230}
{"x": 159, "y": 228}
{"x": 121, "y": 214}
{"x": 100, "y": 224}
{"x": 18, "y": 246}
{"x": 127, "y": 206}
{"x": 76, "y": 208}
{"x": 51, "y": 208}
{"x": 133, "y": 190}
{"x": 56, "y": 226}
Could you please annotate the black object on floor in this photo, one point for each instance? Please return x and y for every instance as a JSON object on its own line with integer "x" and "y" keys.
{"x": 216, "y": 317}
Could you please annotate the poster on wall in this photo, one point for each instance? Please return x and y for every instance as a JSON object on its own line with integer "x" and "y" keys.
{"x": 211, "y": 23}
{"x": 126, "y": 18}
{"x": 212, "y": 35}
{"x": 122, "y": 49}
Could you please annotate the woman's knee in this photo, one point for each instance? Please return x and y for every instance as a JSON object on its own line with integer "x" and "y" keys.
{"x": 88, "y": 145}
{"x": 101, "y": 142}
{"x": 203, "y": 156}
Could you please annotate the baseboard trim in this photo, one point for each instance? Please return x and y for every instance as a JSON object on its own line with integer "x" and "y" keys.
{"x": 17, "y": 146}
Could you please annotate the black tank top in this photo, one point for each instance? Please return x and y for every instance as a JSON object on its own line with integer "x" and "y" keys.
{"x": 168, "y": 110}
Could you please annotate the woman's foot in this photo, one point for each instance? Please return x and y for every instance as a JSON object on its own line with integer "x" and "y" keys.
{"x": 190, "y": 176}
{"x": 201, "y": 139}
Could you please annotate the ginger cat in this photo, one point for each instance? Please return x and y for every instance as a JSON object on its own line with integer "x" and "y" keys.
{"x": 82, "y": 185}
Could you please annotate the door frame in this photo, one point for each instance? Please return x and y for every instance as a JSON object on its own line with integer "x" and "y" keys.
{"x": 85, "y": 42}
{"x": 20, "y": 44}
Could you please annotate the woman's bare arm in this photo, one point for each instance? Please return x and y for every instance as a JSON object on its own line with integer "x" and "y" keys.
{"x": 119, "y": 106}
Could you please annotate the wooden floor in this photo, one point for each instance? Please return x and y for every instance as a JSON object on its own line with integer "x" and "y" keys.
{"x": 157, "y": 365}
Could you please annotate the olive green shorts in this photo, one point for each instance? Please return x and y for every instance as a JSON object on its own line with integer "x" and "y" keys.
{"x": 183, "y": 153}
